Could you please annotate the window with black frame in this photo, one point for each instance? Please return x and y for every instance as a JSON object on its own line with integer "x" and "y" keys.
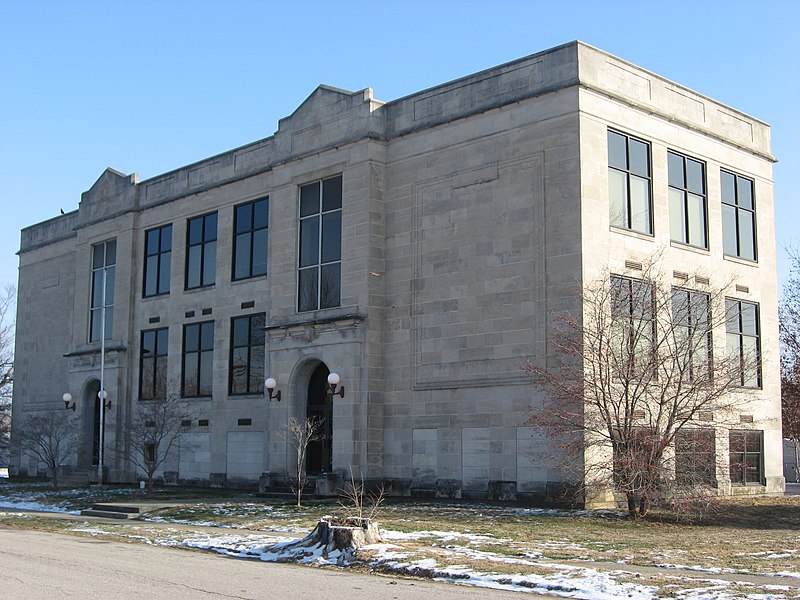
{"x": 687, "y": 200}
{"x": 320, "y": 254}
{"x": 198, "y": 358}
{"x": 157, "y": 260}
{"x": 743, "y": 340}
{"x": 201, "y": 251}
{"x": 695, "y": 456}
{"x": 153, "y": 364}
{"x": 691, "y": 316}
{"x": 101, "y": 308}
{"x": 251, "y": 239}
{"x": 738, "y": 216}
{"x": 629, "y": 183}
{"x": 746, "y": 453}
{"x": 247, "y": 354}
{"x": 632, "y": 328}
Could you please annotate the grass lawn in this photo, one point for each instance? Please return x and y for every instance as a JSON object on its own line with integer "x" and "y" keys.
{"x": 750, "y": 535}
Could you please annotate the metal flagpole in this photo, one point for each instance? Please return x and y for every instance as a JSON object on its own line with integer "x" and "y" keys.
{"x": 101, "y": 395}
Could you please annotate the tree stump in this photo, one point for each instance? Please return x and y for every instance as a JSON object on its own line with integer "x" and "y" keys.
{"x": 332, "y": 535}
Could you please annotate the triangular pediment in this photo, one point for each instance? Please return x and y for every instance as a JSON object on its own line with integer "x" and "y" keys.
{"x": 109, "y": 181}
{"x": 326, "y": 104}
{"x": 324, "y": 100}
{"x": 113, "y": 192}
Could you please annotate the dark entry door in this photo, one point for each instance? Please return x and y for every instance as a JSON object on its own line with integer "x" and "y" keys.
{"x": 96, "y": 429}
{"x": 319, "y": 457}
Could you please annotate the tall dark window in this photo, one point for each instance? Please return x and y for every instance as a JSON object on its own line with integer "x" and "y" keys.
{"x": 153, "y": 364}
{"x": 251, "y": 223}
{"x": 320, "y": 268}
{"x": 743, "y": 345}
{"x": 746, "y": 457}
{"x": 629, "y": 183}
{"x": 104, "y": 264}
{"x": 687, "y": 200}
{"x": 691, "y": 316}
{"x": 695, "y": 456}
{"x": 247, "y": 354}
{"x": 157, "y": 260}
{"x": 201, "y": 251}
{"x": 738, "y": 216}
{"x": 198, "y": 356}
{"x": 633, "y": 326}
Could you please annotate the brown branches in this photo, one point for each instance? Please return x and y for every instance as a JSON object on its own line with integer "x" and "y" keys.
{"x": 634, "y": 369}
{"x": 300, "y": 434}
{"x": 790, "y": 358}
{"x": 156, "y": 432}
{"x": 48, "y": 438}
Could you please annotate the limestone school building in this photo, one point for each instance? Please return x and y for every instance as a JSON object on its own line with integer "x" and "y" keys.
{"x": 414, "y": 247}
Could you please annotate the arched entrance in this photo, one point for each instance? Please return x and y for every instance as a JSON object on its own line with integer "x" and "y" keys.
{"x": 319, "y": 405}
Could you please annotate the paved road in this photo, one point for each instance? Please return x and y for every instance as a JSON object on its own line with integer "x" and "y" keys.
{"x": 36, "y": 566}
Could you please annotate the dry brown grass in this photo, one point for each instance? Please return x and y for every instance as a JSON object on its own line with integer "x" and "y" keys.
{"x": 748, "y": 535}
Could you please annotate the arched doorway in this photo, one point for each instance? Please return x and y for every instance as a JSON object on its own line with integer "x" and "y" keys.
{"x": 89, "y": 429}
{"x": 319, "y": 405}
{"x": 91, "y": 423}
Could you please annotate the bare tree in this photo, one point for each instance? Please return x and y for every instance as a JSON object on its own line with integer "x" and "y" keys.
{"x": 633, "y": 375}
{"x": 790, "y": 406}
{"x": 6, "y": 368}
{"x": 299, "y": 435}
{"x": 156, "y": 432}
{"x": 48, "y": 437}
{"x": 790, "y": 358}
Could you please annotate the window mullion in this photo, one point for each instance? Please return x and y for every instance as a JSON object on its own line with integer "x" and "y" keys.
{"x": 319, "y": 249}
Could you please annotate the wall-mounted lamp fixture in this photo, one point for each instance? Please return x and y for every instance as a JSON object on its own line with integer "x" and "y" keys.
{"x": 103, "y": 395}
{"x": 333, "y": 381}
{"x": 68, "y": 403}
{"x": 269, "y": 386}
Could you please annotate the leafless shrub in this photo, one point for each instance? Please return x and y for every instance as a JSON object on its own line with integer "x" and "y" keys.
{"x": 156, "y": 431}
{"x": 357, "y": 502}
{"x": 49, "y": 438}
{"x": 299, "y": 435}
{"x": 6, "y": 367}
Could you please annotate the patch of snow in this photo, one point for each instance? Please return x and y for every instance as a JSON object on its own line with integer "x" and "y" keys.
{"x": 186, "y": 522}
{"x": 770, "y": 554}
{"x": 444, "y": 536}
{"x": 570, "y": 583}
{"x": 700, "y": 569}
{"x": 40, "y": 501}
{"x": 37, "y": 506}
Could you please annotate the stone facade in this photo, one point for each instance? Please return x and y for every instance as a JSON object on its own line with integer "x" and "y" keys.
{"x": 469, "y": 212}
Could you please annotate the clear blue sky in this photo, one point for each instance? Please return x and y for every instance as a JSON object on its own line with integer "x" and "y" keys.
{"x": 149, "y": 86}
